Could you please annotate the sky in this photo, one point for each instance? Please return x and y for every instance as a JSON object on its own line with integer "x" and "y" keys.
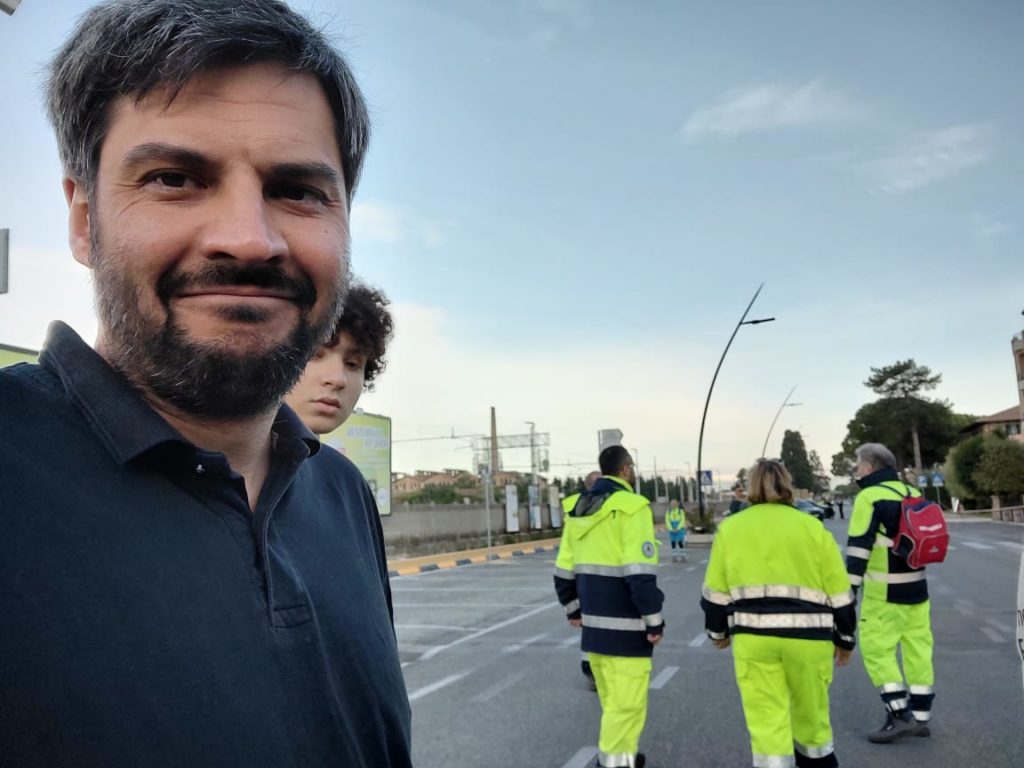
{"x": 570, "y": 203}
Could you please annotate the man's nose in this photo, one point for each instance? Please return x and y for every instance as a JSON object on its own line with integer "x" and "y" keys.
{"x": 242, "y": 224}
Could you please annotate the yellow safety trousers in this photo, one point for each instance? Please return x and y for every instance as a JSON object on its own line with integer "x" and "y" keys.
{"x": 784, "y": 685}
{"x": 885, "y": 626}
{"x": 622, "y": 683}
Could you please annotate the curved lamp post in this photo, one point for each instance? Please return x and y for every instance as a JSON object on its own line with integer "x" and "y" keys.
{"x": 700, "y": 442}
{"x": 785, "y": 404}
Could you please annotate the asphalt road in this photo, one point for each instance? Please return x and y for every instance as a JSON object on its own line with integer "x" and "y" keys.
{"x": 492, "y": 669}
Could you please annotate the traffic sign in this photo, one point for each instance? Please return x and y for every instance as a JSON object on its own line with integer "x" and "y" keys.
{"x": 938, "y": 480}
{"x": 705, "y": 477}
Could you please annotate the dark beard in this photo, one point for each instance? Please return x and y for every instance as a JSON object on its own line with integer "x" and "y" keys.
{"x": 206, "y": 380}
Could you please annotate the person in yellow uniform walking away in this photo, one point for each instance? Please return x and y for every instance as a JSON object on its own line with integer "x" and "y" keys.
{"x": 675, "y": 522}
{"x": 606, "y": 580}
{"x": 776, "y": 589}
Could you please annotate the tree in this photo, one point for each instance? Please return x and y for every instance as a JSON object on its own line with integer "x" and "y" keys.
{"x": 1000, "y": 471}
{"x": 843, "y": 466}
{"x": 903, "y": 382}
{"x": 821, "y": 479}
{"x": 961, "y": 465}
{"x": 741, "y": 477}
{"x": 794, "y": 456}
{"x": 892, "y": 423}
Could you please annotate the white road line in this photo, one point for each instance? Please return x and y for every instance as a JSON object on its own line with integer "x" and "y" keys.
{"x": 582, "y": 758}
{"x": 1012, "y": 545}
{"x": 691, "y": 568}
{"x": 406, "y": 606}
{"x": 663, "y": 677}
{"x": 500, "y": 625}
{"x": 569, "y": 642}
{"x": 992, "y": 635}
{"x": 998, "y": 626}
{"x": 698, "y": 641}
{"x": 489, "y": 693}
{"x": 951, "y": 547}
{"x": 977, "y": 545}
{"x": 963, "y": 607}
{"x": 402, "y": 590}
{"x": 519, "y": 646}
{"x": 436, "y": 626}
{"x": 704, "y": 561}
{"x": 442, "y": 683}
{"x": 942, "y": 589}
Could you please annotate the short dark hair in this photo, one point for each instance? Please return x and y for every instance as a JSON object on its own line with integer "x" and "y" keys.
{"x": 612, "y": 459}
{"x": 129, "y": 48}
{"x": 367, "y": 320}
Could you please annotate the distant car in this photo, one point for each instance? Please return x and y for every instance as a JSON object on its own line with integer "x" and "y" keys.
{"x": 808, "y": 506}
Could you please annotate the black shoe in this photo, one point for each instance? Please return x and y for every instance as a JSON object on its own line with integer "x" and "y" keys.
{"x": 895, "y": 728}
{"x": 922, "y": 728}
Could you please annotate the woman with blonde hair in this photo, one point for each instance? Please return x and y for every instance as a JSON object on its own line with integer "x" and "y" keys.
{"x": 776, "y": 589}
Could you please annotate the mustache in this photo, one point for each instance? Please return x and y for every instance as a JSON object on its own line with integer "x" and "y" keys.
{"x": 215, "y": 275}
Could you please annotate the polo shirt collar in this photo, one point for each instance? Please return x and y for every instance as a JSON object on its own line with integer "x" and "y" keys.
{"x": 124, "y": 422}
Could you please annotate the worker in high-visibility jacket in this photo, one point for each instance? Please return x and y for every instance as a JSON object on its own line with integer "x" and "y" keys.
{"x": 675, "y": 522}
{"x": 776, "y": 589}
{"x": 895, "y": 611}
{"x": 568, "y": 503}
{"x": 606, "y": 581}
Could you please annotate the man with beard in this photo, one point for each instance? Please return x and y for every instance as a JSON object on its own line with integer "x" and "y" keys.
{"x": 186, "y": 577}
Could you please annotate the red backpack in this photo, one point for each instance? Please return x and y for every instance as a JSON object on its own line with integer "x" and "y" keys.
{"x": 923, "y": 536}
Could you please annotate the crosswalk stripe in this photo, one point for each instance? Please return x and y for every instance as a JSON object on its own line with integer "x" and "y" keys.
{"x": 582, "y": 758}
{"x": 442, "y": 683}
{"x": 977, "y": 545}
{"x": 698, "y": 641}
{"x": 663, "y": 677}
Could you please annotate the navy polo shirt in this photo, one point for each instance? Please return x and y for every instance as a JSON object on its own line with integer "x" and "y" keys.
{"x": 149, "y": 618}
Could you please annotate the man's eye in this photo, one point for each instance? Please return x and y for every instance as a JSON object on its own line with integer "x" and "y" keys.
{"x": 169, "y": 179}
{"x": 297, "y": 193}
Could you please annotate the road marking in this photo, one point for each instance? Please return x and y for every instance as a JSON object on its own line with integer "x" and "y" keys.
{"x": 951, "y": 548}
{"x": 704, "y": 561}
{"x": 1012, "y": 545}
{"x": 569, "y": 642}
{"x": 942, "y": 589}
{"x": 998, "y": 626}
{"x": 442, "y": 683}
{"x": 500, "y": 625}
{"x": 519, "y": 646}
{"x": 977, "y": 545}
{"x": 582, "y": 758}
{"x": 402, "y": 590}
{"x": 698, "y": 641}
{"x": 691, "y": 568}
{"x": 436, "y": 626}
{"x": 964, "y": 607}
{"x": 489, "y": 693}
{"x": 992, "y": 635}
{"x": 406, "y": 606}
{"x": 663, "y": 677}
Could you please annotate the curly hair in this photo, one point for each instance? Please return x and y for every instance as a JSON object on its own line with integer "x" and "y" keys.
{"x": 367, "y": 320}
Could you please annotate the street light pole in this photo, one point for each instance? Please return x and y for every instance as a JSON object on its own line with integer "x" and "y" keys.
{"x": 700, "y": 441}
{"x": 785, "y": 404}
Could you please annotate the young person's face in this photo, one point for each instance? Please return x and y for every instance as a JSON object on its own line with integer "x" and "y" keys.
{"x": 330, "y": 386}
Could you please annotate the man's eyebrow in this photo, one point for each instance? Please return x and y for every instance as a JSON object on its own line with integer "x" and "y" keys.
{"x": 309, "y": 171}
{"x": 156, "y": 151}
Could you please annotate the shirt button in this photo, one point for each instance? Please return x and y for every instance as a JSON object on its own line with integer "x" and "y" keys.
{"x": 200, "y": 469}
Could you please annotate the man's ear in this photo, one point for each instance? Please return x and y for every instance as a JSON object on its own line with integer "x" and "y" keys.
{"x": 78, "y": 221}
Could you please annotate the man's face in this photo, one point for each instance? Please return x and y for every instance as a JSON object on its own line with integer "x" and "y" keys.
{"x": 862, "y": 470}
{"x": 218, "y": 234}
{"x": 330, "y": 386}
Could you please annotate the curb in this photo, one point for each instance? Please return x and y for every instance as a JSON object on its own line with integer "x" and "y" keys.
{"x": 473, "y": 557}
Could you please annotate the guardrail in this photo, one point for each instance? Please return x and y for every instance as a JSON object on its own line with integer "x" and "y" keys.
{"x": 1006, "y": 514}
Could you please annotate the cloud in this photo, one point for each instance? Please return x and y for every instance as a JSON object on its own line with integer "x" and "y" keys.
{"x": 932, "y": 157}
{"x": 769, "y": 107}
{"x": 384, "y": 223}
{"x": 986, "y": 226}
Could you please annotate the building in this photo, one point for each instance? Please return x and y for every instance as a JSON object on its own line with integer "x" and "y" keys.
{"x": 1017, "y": 344}
{"x": 1008, "y": 422}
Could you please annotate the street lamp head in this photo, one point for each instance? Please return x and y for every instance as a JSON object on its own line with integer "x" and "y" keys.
{"x": 758, "y": 322}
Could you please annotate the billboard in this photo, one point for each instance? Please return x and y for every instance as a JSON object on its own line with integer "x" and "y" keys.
{"x": 366, "y": 439}
{"x": 12, "y": 355}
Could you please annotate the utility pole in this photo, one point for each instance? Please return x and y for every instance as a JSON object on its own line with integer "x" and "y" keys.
{"x": 494, "y": 442}
{"x": 655, "y": 479}
{"x": 533, "y": 454}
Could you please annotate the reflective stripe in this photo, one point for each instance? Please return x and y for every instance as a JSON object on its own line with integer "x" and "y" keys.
{"x": 718, "y": 598}
{"x": 780, "y": 591}
{"x": 921, "y": 690}
{"x": 561, "y": 573}
{"x": 616, "y": 759}
{"x": 637, "y": 569}
{"x": 860, "y": 552}
{"x": 611, "y": 622}
{"x": 782, "y": 620}
{"x": 896, "y": 705}
{"x": 892, "y": 688}
{"x": 842, "y": 600}
{"x": 716, "y": 635}
{"x": 815, "y": 752}
{"x": 617, "y": 571}
{"x": 921, "y": 716}
{"x": 883, "y": 541}
{"x": 846, "y": 638}
{"x": 895, "y": 578}
{"x": 856, "y": 580}
{"x": 572, "y": 606}
{"x": 774, "y": 761}
{"x": 653, "y": 619}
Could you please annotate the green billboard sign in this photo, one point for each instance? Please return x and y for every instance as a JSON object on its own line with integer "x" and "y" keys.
{"x": 366, "y": 439}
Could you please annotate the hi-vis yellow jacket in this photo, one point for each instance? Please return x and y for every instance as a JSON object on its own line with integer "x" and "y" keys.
{"x": 775, "y": 570}
{"x": 605, "y": 571}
